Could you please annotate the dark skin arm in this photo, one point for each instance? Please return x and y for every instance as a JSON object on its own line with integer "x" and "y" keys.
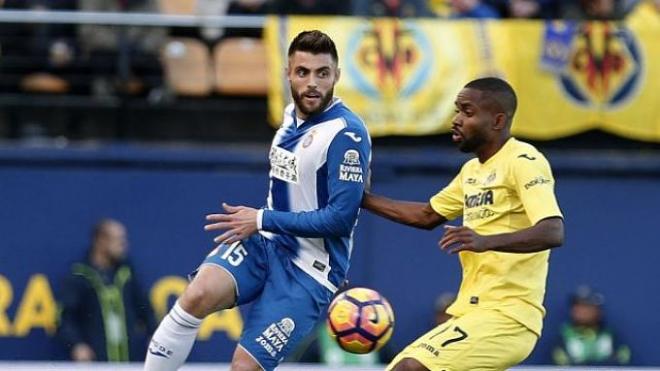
{"x": 545, "y": 234}
{"x": 415, "y": 214}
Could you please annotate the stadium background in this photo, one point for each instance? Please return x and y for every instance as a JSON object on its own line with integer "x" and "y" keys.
{"x": 159, "y": 165}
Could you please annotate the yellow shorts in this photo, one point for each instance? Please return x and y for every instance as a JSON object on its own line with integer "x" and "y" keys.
{"x": 479, "y": 340}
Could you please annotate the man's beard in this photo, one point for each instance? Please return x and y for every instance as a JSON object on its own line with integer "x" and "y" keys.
{"x": 323, "y": 102}
{"x": 472, "y": 144}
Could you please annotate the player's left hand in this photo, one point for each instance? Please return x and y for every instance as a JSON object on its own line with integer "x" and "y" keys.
{"x": 238, "y": 223}
{"x": 457, "y": 239}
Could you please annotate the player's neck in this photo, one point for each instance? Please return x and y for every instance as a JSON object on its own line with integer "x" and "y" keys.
{"x": 489, "y": 149}
{"x": 306, "y": 116}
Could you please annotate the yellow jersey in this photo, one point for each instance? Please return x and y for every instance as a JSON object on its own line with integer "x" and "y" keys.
{"x": 511, "y": 191}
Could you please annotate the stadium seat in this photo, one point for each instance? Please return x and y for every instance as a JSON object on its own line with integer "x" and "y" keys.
{"x": 183, "y": 7}
{"x": 187, "y": 66}
{"x": 43, "y": 82}
{"x": 241, "y": 67}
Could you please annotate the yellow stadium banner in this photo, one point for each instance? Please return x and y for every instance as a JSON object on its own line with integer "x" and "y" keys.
{"x": 402, "y": 76}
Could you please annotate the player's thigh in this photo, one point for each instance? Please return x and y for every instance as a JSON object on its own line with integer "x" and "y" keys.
{"x": 243, "y": 361}
{"x": 230, "y": 275}
{"x": 212, "y": 289}
{"x": 480, "y": 340}
{"x": 284, "y": 314}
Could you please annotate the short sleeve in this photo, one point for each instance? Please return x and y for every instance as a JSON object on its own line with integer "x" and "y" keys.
{"x": 536, "y": 187}
{"x": 449, "y": 201}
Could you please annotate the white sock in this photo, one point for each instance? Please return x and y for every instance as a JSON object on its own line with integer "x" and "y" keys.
{"x": 172, "y": 340}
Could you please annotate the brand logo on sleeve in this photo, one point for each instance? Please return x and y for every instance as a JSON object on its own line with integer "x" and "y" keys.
{"x": 353, "y": 136}
{"x": 349, "y": 169}
{"x": 352, "y": 157}
{"x": 537, "y": 181}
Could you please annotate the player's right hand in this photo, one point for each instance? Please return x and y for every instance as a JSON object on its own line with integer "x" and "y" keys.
{"x": 239, "y": 222}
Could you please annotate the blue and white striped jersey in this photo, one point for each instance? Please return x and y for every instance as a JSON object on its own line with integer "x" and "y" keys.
{"x": 318, "y": 171}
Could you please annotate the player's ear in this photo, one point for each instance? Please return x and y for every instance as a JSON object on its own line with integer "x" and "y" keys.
{"x": 501, "y": 119}
{"x": 337, "y": 74}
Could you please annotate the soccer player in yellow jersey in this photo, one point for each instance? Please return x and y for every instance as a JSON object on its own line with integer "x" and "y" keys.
{"x": 510, "y": 221}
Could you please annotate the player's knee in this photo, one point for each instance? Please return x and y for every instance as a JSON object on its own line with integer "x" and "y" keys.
{"x": 409, "y": 364}
{"x": 198, "y": 300}
{"x": 244, "y": 364}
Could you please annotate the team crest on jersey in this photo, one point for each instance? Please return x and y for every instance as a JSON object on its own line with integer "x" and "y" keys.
{"x": 283, "y": 165}
{"x": 604, "y": 67}
{"x": 309, "y": 139}
{"x": 491, "y": 178}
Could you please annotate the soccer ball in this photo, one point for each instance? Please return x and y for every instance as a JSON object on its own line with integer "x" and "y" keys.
{"x": 360, "y": 320}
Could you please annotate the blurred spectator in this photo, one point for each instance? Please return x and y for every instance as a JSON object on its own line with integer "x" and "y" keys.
{"x": 472, "y": 9}
{"x": 392, "y": 8}
{"x": 311, "y": 7}
{"x": 440, "y": 306}
{"x": 593, "y": 9}
{"x": 105, "y": 315}
{"x": 246, "y": 7}
{"x": 40, "y": 47}
{"x": 585, "y": 340}
{"x": 122, "y": 59}
{"x": 539, "y": 9}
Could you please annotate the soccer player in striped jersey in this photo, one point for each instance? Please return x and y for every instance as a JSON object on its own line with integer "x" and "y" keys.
{"x": 510, "y": 221}
{"x": 289, "y": 257}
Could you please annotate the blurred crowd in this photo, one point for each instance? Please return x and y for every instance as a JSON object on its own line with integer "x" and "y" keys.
{"x": 62, "y": 57}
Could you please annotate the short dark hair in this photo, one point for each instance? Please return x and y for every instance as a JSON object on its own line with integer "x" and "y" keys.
{"x": 498, "y": 90}
{"x": 315, "y": 42}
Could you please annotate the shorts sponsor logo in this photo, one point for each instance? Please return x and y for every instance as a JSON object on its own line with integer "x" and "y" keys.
{"x": 283, "y": 165}
{"x": 539, "y": 180}
{"x": 275, "y": 337}
{"x": 287, "y": 326}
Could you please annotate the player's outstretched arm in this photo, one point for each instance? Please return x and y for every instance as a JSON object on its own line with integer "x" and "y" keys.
{"x": 415, "y": 214}
{"x": 544, "y": 235}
